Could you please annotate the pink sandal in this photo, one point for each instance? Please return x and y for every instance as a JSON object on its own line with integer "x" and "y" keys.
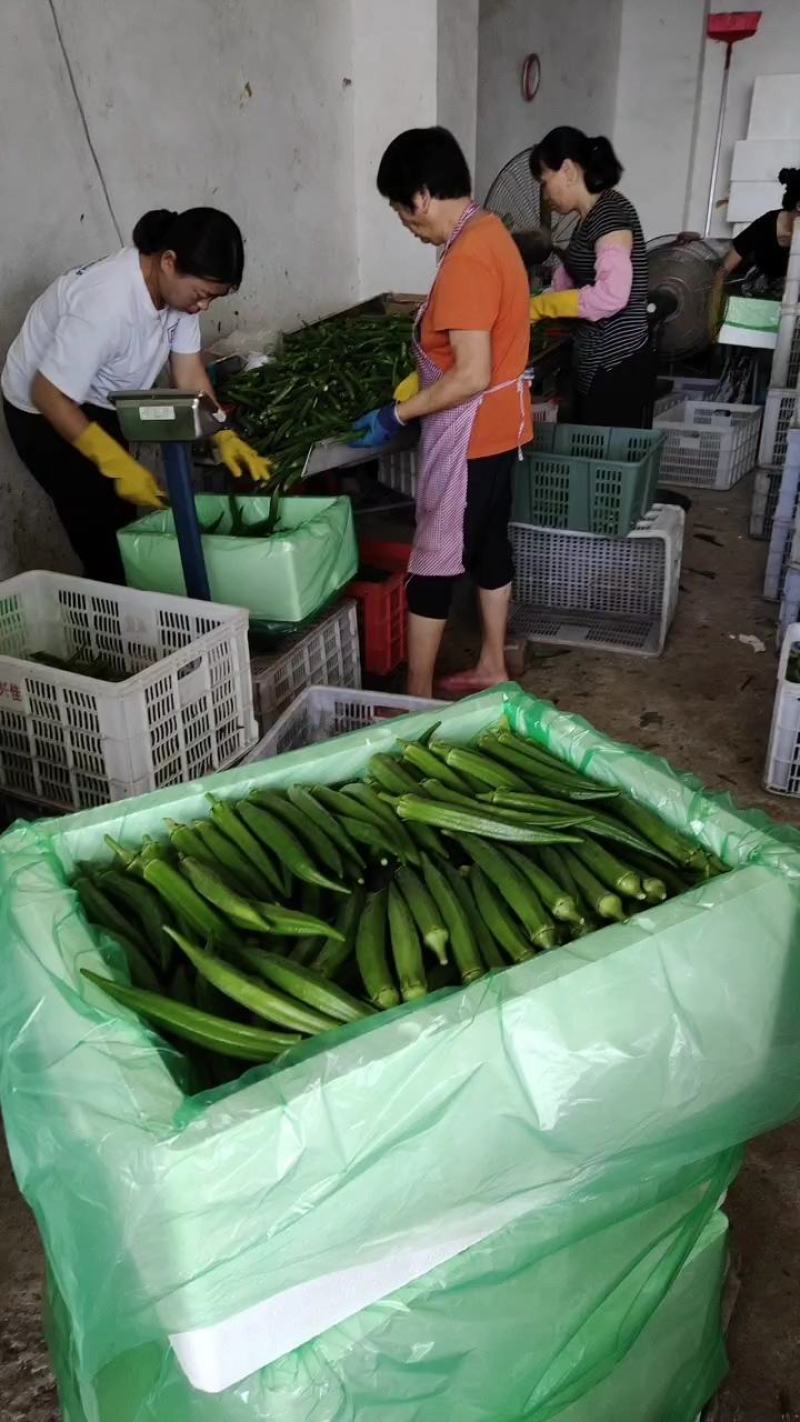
{"x": 466, "y": 683}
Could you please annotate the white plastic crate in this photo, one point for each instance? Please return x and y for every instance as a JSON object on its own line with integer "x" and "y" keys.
{"x": 790, "y": 599}
{"x": 780, "y": 542}
{"x": 327, "y": 654}
{"x": 71, "y": 741}
{"x": 398, "y": 469}
{"x": 686, "y": 387}
{"x": 784, "y": 519}
{"x": 764, "y": 502}
{"x": 322, "y": 712}
{"x": 782, "y": 770}
{"x": 793, "y": 369}
{"x": 584, "y": 590}
{"x": 709, "y": 444}
{"x": 779, "y": 416}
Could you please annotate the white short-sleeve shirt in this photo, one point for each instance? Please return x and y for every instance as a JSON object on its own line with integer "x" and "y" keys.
{"x": 95, "y": 331}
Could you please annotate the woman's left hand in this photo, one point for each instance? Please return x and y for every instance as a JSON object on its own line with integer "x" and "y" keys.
{"x": 552, "y": 305}
{"x": 377, "y": 428}
{"x": 240, "y": 458}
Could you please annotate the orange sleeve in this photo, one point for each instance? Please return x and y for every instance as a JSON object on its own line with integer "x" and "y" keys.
{"x": 466, "y": 296}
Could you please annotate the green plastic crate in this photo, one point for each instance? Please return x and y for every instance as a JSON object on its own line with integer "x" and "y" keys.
{"x": 588, "y": 477}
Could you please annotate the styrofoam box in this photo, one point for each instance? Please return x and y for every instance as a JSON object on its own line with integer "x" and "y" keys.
{"x": 327, "y": 654}
{"x": 747, "y": 200}
{"x": 321, "y": 712}
{"x": 709, "y": 444}
{"x": 760, "y": 160}
{"x": 780, "y": 413}
{"x": 775, "y": 107}
{"x": 782, "y": 770}
{"x": 764, "y": 502}
{"x": 585, "y": 590}
{"x": 398, "y": 468}
{"x": 72, "y": 741}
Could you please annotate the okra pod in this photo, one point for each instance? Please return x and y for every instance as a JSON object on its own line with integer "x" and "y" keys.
{"x": 424, "y": 911}
{"x": 305, "y": 985}
{"x": 406, "y": 947}
{"x": 462, "y": 938}
{"x": 283, "y": 842}
{"x": 498, "y": 923}
{"x": 371, "y": 954}
{"x": 216, "y": 1034}
{"x": 335, "y": 952}
{"x": 264, "y": 1001}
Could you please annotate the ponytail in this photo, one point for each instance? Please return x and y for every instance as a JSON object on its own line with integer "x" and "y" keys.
{"x": 207, "y": 243}
{"x": 150, "y": 232}
{"x": 595, "y": 156}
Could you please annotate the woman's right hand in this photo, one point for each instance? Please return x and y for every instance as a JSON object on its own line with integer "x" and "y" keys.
{"x": 132, "y": 481}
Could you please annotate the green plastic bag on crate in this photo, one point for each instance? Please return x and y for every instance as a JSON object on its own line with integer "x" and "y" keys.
{"x": 750, "y": 321}
{"x": 496, "y": 1203}
{"x": 282, "y": 579}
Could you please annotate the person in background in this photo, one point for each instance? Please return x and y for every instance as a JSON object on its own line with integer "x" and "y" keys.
{"x": 108, "y": 327}
{"x": 762, "y": 249}
{"x": 601, "y": 282}
{"x": 473, "y": 403}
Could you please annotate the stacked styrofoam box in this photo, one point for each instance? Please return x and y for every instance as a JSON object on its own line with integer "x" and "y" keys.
{"x": 785, "y": 516}
{"x": 772, "y": 142}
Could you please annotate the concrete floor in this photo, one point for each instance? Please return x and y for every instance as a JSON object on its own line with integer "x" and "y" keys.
{"x": 706, "y": 706}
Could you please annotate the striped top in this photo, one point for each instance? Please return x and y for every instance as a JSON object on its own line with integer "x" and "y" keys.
{"x": 600, "y": 345}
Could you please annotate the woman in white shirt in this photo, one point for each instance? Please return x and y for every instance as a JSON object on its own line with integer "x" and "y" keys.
{"x": 108, "y": 327}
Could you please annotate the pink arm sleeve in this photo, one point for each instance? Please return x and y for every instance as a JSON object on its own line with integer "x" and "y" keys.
{"x": 561, "y": 278}
{"x": 612, "y": 285}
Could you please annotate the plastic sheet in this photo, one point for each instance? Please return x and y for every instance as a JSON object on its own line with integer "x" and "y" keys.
{"x": 282, "y": 579}
{"x": 496, "y": 1204}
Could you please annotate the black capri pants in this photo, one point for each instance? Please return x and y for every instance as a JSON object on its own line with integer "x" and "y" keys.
{"x": 86, "y": 502}
{"x": 487, "y": 550}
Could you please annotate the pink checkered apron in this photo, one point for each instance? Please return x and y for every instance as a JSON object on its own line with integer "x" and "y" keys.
{"x": 438, "y": 546}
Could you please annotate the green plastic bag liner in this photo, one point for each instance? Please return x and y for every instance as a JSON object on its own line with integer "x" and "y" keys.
{"x": 499, "y": 1204}
{"x": 285, "y": 578}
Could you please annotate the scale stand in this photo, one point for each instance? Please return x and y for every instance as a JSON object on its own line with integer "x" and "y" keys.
{"x": 175, "y": 419}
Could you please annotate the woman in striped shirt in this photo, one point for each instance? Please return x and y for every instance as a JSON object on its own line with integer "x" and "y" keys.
{"x": 602, "y": 281}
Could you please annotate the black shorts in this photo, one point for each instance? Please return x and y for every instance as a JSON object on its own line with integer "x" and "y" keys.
{"x": 487, "y": 550}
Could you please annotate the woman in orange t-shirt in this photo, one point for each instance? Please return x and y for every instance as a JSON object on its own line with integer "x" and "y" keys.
{"x": 471, "y": 349}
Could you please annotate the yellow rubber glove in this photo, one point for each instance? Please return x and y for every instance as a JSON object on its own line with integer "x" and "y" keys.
{"x": 408, "y": 387}
{"x": 239, "y": 458}
{"x": 131, "y": 480}
{"x": 555, "y": 304}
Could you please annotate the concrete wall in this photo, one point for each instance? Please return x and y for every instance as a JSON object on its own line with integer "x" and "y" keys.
{"x": 578, "y": 44}
{"x": 774, "y": 49}
{"x": 660, "y": 69}
{"x": 457, "y": 80}
{"x": 394, "y": 72}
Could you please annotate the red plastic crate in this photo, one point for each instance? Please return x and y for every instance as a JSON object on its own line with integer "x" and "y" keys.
{"x": 382, "y": 606}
